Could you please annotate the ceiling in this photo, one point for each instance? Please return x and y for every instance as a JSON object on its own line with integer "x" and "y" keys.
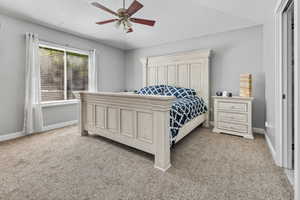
{"x": 176, "y": 19}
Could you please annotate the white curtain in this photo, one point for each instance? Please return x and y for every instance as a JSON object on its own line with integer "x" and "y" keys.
{"x": 33, "y": 119}
{"x": 93, "y": 72}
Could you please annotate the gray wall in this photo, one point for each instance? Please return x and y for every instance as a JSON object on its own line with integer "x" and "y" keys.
{"x": 235, "y": 52}
{"x": 12, "y": 71}
{"x": 59, "y": 114}
{"x": 269, "y": 68}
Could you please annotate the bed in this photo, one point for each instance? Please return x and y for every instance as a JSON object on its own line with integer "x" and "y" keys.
{"x": 143, "y": 121}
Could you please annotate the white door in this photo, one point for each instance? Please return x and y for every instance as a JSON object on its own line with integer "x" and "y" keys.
{"x": 288, "y": 87}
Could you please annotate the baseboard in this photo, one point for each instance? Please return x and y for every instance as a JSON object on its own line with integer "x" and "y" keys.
{"x": 255, "y": 130}
{"x": 290, "y": 175}
{"x": 259, "y": 131}
{"x": 271, "y": 148}
{"x": 59, "y": 125}
{"x": 11, "y": 136}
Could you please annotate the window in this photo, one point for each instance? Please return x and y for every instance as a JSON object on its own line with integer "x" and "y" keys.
{"x": 62, "y": 73}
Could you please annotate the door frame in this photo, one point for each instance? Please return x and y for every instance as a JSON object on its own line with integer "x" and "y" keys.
{"x": 297, "y": 97}
{"x": 287, "y": 154}
{"x": 280, "y": 137}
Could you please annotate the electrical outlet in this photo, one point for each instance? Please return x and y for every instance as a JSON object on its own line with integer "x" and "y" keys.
{"x": 268, "y": 125}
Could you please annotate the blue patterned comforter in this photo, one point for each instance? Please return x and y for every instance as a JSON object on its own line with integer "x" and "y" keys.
{"x": 186, "y": 107}
{"x": 184, "y": 110}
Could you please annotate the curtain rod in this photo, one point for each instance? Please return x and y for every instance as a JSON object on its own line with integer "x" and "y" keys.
{"x": 64, "y": 45}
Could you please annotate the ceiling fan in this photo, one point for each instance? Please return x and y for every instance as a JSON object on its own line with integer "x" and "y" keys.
{"x": 124, "y": 16}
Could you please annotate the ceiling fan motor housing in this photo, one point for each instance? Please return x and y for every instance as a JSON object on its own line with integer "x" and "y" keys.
{"x": 122, "y": 12}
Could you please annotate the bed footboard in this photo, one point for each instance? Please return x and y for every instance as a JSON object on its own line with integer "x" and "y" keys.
{"x": 138, "y": 121}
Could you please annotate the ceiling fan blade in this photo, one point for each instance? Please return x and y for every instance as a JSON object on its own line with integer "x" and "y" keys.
{"x": 134, "y": 7}
{"x": 106, "y": 21}
{"x": 98, "y": 5}
{"x": 130, "y": 30}
{"x": 143, "y": 21}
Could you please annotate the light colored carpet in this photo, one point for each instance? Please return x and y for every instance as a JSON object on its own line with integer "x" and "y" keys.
{"x": 61, "y": 165}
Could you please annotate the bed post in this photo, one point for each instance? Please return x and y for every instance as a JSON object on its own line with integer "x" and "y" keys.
{"x": 144, "y": 61}
{"x": 207, "y": 121}
{"x": 207, "y": 88}
{"x": 161, "y": 124}
{"x": 81, "y": 130}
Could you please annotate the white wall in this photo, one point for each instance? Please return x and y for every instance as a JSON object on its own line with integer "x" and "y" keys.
{"x": 234, "y": 53}
{"x": 12, "y": 71}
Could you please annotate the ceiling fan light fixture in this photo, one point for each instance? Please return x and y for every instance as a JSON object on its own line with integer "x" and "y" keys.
{"x": 129, "y": 24}
{"x": 126, "y": 25}
{"x": 118, "y": 24}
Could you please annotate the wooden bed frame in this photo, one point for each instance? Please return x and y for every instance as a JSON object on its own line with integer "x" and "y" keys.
{"x": 142, "y": 121}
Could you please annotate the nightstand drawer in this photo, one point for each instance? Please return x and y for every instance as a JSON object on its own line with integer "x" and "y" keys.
{"x": 233, "y": 117}
{"x": 233, "y": 127}
{"x": 238, "y": 107}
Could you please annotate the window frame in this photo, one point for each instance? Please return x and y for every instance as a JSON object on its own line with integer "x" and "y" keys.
{"x": 65, "y": 49}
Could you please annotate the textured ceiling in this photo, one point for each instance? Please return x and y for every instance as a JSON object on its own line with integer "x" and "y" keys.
{"x": 176, "y": 19}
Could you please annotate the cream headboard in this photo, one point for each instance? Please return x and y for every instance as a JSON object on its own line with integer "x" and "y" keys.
{"x": 187, "y": 69}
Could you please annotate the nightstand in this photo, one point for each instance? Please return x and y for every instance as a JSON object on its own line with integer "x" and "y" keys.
{"x": 233, "y": 115}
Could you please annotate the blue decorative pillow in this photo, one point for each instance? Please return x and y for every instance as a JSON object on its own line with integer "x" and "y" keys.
{"x": 152, "y": 90}
{"x": 179, "y": 92}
